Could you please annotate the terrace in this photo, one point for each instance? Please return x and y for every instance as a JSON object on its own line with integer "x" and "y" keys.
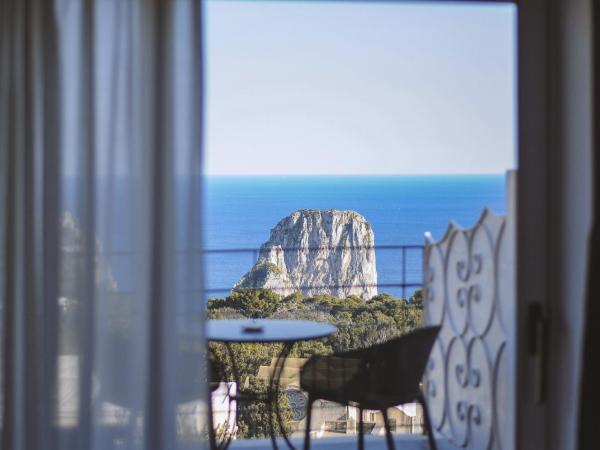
{"x": 468, "y": 283}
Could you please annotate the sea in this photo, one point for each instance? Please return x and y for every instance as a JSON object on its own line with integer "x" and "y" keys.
{"x": 240, "y": 211}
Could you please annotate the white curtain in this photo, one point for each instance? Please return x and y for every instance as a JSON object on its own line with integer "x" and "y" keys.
{"x": 101, "y": 314}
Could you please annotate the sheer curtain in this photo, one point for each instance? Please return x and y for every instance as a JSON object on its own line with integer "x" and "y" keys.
{"x": 100, "y": 266}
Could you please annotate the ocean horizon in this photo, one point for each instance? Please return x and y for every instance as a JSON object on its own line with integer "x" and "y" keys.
{"x": 240, "y": 212}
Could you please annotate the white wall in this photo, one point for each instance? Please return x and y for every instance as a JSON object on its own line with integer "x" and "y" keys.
{"x": 554, "y": 210}
{"x": 571, "y": 213}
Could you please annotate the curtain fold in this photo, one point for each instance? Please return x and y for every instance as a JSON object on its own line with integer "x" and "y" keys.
{"x": 589, "y": 389}
{"x": 101, "y": 313}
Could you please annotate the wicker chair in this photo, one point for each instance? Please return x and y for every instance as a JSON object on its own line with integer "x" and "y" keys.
{"x": 376, "y": 378}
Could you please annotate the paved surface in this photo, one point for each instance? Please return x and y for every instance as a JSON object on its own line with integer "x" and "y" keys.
{"x": 403, "y": 442}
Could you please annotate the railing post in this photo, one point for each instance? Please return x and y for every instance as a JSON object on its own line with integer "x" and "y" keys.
{"x": 404, "y": 272}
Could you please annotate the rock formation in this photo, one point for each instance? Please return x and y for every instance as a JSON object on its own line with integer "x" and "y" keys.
{"x": 317, "y": 252}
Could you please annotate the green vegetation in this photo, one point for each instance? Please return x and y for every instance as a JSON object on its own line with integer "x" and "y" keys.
{"x": 262, "y": 274}
{"x": 262, "y": 268}
{"x": 360, "y": 323}
{"x": 274, "y": 268}
{"x": 253, "y": 417}
{"x": 253, "y": 303}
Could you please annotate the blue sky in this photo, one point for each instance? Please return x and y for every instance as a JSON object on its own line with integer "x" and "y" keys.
{"x": 355, "y": 88}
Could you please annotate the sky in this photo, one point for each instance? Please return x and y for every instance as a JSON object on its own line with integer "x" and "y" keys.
{"x": 315, "y": 88}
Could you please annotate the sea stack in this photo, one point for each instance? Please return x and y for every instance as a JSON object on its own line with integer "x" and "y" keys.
{"x": 317, "y": 252}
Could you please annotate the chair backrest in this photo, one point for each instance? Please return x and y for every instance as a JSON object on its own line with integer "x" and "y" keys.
{"x": 392, "y": 371}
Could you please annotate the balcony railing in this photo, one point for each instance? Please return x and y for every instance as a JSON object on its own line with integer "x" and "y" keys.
{"x": 400, "y": 271}
{"x": 400, "y": 281}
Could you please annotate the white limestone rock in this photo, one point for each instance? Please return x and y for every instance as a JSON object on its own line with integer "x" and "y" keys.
{"x": 317, "y": 252}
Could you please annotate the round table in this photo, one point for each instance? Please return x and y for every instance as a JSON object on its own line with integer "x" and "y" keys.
{"x": 266, "y": 330}
{"x": 263, "y": 331}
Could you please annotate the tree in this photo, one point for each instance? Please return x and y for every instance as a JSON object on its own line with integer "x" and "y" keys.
{"x": 254, "y": 303}
{"x": 417, "y": 298}
{"x": 359, "y": 324}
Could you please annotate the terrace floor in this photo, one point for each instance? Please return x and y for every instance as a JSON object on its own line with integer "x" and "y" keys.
{"x": 403, "y": 442}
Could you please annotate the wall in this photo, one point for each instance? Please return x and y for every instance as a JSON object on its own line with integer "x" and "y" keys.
{"x": 570, "y": 188}
{"x": 555, "y": 196}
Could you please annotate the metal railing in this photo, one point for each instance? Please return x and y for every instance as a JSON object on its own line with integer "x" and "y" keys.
{"x": 403, "y": 249}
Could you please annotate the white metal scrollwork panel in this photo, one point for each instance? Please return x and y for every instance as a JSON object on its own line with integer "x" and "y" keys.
{"x": 456, "y": 378}
{"x": 479, "y": 395}
{"x": 458, "y": 272}
{"x": 482, "y": 283}
{"x": 506, "y": 273}
{"x": 470, "y": 372}
{"x": 435, "y": 386}
{"x": 434, "y": 285}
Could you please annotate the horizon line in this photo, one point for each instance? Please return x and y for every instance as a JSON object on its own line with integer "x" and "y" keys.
{"x": 355, "y": 174}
